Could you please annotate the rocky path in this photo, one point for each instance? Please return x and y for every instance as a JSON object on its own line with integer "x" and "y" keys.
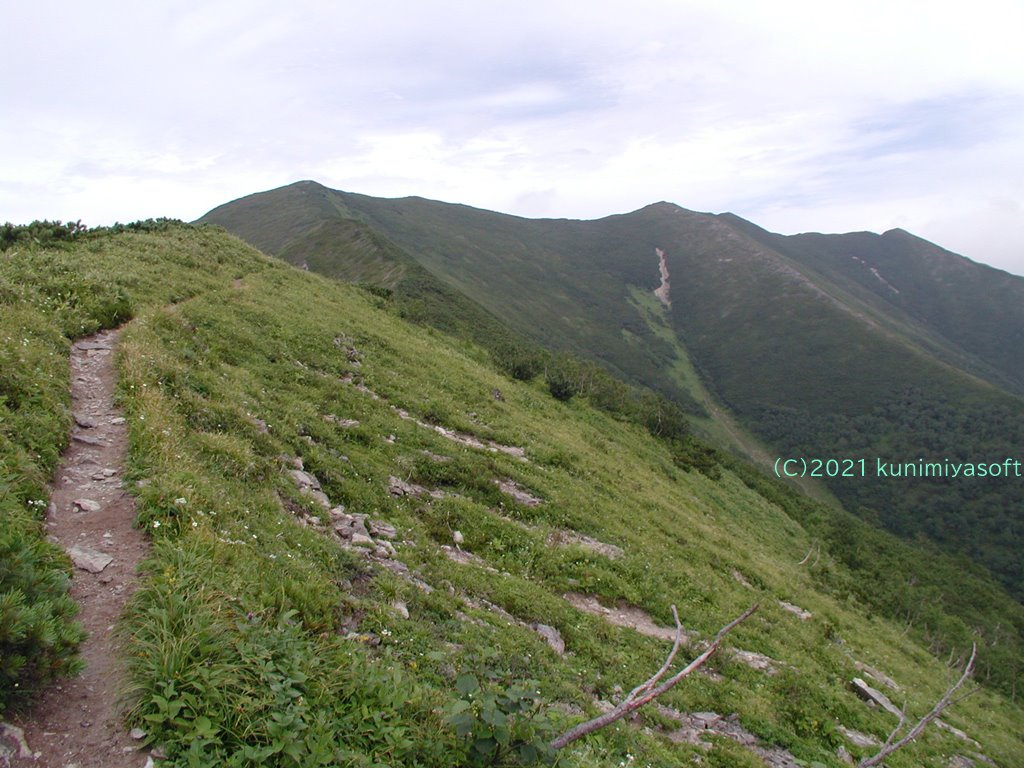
{"x": 76, "y": 722}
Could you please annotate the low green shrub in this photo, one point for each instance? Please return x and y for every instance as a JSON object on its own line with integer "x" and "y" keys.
{"x": 502, "y": 722}
{"x": 38, "y": 639}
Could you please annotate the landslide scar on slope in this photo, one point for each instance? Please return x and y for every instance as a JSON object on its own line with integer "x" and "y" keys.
{"x": 662, "y": 291}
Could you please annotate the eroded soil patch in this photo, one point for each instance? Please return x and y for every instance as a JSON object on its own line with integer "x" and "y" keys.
{"x": 625, "y": 616}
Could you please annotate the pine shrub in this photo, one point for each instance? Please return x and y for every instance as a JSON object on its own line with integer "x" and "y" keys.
{"x": 38, "y": 637}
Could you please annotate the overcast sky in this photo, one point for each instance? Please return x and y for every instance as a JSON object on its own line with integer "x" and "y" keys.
{"x": 823, "y": 115}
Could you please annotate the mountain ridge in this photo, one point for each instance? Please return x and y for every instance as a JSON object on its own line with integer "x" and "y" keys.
{"x": 812, "y": 351}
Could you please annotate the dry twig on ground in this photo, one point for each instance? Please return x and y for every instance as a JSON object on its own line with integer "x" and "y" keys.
{"x": 650, "y": 689}
{"x": 891, "y": 745}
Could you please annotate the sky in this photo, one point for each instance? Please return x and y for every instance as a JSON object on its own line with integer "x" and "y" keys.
{"x": 800, "y": 116}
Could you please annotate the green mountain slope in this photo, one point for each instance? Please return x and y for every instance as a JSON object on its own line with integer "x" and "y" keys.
{"x": 810, "y": 350}
{"x": 303, "y": 475}
{"x": 546, "y": 280}
{"x": 952, "y": 303}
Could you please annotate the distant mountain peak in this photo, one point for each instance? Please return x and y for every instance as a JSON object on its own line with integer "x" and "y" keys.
{"x": 899, "y": 232}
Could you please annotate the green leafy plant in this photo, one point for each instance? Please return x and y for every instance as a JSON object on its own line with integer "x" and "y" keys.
{"x": 502, "y": 723}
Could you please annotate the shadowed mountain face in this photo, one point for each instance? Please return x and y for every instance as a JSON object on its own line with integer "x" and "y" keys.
{"x": 861, "y": 346}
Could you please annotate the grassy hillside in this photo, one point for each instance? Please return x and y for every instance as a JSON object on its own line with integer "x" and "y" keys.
{"x": 556, "y": 282}
{"x": 262, "y": 635}
{"x": 873, "y": 348}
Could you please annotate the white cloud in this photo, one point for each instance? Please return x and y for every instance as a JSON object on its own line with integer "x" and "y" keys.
{"x": 800, "y": 115}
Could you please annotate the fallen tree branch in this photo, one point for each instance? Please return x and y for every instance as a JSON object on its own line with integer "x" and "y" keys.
{"x": 647, "y": 691}
{"x": 814, "y": 550}
{"x": 891, "y": 745}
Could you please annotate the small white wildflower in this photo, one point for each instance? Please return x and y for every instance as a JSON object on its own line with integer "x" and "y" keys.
{"x": 156, "y": 523}
{"x": 180, "y": 501}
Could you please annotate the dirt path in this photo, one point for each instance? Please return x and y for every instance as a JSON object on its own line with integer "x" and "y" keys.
{"x": 76, "y": 722}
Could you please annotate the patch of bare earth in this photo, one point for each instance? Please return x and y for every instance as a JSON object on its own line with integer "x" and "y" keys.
{"x": 663, "y": 291}
{"x": 625, "y": 615}
{"x": 573, "y": 538}
{"x": 77, "y": 722}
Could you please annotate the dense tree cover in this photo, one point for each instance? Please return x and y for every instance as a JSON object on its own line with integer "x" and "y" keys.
{"x": 39, "y": 232}
{"x": 973, "y": 516}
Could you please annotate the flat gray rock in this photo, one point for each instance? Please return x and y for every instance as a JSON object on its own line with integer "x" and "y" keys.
{"x": 796, "y": 610}
{"x": 317, "y": 495}
{"x": 552, "y": 636}
{"x": 93, "y": 345}
{"x": 362, "y": 540}
{"x": 382, "y": 530}
{"x": 89, "y": 559}
{"x": 755, "y": 660}
{"x": 868, "y": 693}
{"x": 87, "y": 439}
{"x": 857, "y": 738}
{"x": 17, "y": 737}
{"x": 304, "y": 479}
{"x": 881, "y": 677}
{"x": 85, "y": 422}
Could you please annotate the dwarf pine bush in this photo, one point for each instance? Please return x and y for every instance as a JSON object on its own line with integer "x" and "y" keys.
{"x": 38, "y": 639}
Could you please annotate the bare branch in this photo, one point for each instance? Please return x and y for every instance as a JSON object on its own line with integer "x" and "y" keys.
{"x": 814, "y": 550}
{"x": 891, "y": 746}
{"x": 650, "y": 683}
{"x": 647, "y": 691}
{"x": 898, "y": 728}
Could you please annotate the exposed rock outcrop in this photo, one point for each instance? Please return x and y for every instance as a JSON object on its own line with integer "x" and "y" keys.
{"x": 663, "y": 290}
{"x": 874, "y": 696}
{"x": 573, "y": 538}
{"x": 518, "y": 493}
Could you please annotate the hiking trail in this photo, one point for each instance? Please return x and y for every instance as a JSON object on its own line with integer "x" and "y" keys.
{"x": 76, "y": 722}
